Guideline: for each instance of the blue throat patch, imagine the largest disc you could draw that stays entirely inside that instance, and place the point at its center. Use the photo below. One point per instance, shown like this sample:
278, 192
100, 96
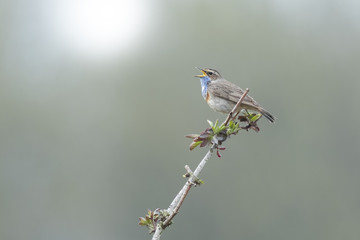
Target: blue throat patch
204, 85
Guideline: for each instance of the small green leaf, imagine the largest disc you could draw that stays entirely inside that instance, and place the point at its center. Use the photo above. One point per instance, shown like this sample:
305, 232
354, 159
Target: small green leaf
142, 221
254, 118
150, 213
210, 123
194, 145
216, 123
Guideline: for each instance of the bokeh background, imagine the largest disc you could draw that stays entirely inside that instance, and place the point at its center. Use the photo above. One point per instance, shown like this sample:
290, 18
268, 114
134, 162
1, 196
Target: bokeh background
96, 98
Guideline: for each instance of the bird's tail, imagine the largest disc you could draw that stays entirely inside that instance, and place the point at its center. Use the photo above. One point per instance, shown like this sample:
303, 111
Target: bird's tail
266, 114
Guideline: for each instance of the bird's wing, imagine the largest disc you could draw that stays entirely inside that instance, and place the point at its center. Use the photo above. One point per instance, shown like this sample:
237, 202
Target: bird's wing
224, 89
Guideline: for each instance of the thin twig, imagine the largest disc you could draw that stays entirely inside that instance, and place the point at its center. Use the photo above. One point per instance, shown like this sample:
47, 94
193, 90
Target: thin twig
176, 210
175, 205
236, 107
180, 197
188, 170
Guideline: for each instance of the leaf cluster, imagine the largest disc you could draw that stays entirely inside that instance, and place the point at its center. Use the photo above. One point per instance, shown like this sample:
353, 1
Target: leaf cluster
152, 218
217, 134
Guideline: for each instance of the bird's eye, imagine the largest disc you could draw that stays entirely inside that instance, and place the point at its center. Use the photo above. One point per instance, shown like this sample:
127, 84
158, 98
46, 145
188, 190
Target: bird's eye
210, 73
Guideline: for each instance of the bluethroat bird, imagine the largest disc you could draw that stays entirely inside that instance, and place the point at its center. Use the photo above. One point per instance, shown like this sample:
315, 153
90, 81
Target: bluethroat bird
222, 95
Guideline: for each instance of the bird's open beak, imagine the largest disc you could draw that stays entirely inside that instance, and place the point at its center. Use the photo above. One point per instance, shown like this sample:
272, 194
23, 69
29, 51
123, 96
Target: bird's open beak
203, 73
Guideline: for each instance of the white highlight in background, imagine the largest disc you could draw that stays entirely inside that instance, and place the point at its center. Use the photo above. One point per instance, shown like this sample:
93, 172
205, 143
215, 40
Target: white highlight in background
99, 29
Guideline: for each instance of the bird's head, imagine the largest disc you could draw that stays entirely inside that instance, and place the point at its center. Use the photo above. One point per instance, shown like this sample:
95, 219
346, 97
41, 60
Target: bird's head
211, 73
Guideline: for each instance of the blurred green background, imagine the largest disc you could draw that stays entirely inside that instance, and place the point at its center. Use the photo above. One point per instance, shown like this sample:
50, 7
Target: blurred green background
97, 96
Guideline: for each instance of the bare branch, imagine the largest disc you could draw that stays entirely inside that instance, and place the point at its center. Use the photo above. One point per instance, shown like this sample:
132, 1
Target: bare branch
180, 197
174, 207
176, 210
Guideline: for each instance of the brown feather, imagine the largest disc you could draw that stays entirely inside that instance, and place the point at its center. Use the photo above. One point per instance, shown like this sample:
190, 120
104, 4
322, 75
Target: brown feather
224, 89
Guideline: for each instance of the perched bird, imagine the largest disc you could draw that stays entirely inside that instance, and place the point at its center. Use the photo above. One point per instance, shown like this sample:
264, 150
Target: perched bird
222, 95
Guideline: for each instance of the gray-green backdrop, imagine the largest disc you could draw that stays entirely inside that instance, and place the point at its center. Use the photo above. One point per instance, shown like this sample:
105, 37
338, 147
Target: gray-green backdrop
97, 96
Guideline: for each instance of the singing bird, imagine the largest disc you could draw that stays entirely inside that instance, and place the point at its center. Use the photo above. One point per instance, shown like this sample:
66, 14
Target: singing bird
222, 95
